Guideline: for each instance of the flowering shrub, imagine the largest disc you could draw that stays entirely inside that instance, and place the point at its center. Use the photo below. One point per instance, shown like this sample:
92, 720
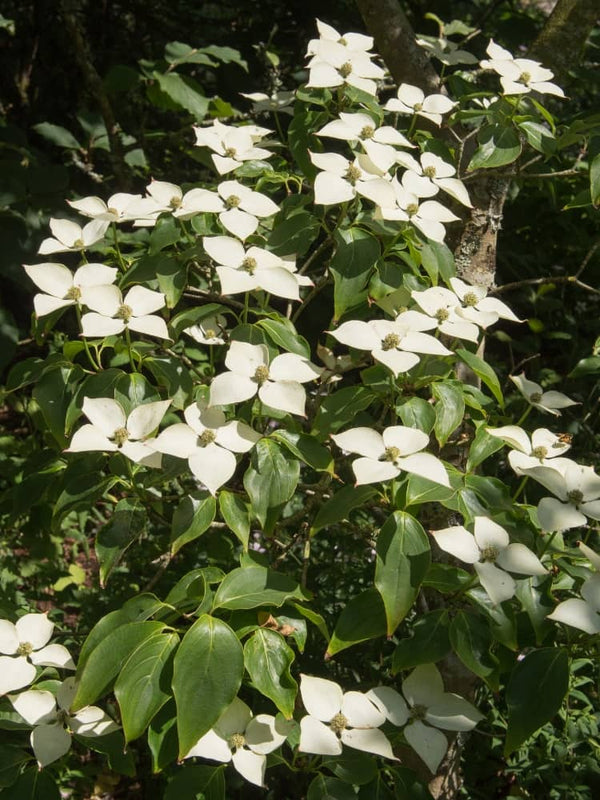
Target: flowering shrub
271, 357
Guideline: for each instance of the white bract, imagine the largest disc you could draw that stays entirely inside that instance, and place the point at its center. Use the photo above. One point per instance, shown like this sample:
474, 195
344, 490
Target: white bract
241, 270
112, 313
336, 718
262, 103
63, 288
427, 703
242, 739
385, 455
519, 75
231, 144
550, 401
492, 555
120, 207
353, 42
210, 330
379, 143
411, 100
164, 197
111, 430
433, 174
341, 180
336, 61
428, 216
533, 452
241, 208
583, 612
442, 305
24, 645
208, 442
54, 723
69, 236
392, 343
477, 307
277, 382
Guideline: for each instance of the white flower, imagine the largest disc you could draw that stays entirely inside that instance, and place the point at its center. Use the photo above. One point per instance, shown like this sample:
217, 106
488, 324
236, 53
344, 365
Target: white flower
538, 398
577, 489
385, 455
341, 180
232, 144
63, 288
336, 718
427, 702
210, 330
208, 442
24, 646
111, 430
433, 174
242, 208
335, 64
243, 739
412, 100
519, 75
442, 304
69, 236
378, 143
278, 382
54, 723
427, 216
112, 313
446, 51
487, 547
584, 612
393, 343
353, 42
241, 270
477, 307
275, 102
120, 207
533, 452
165, 197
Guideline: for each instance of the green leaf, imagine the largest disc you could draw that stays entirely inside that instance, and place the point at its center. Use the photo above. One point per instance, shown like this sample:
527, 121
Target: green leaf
586, 366
471, 640
363, 617
536, 689
356, 252
498, 145
429, 642
81, 490
403, 557
342, 407
340, 504
174, 377
162, 737
482, 446
324, 787
352, 766
236, 514
207, 675
184, 92
112, 745
595, 180
294, 234
306, 448
449, 409
282, 333
193, 516
268, 658
105, 661
417, 413
271, 478
421, 490
446, 579
437, 260
53, 392
11, 759
33, 784
118, 534
196, 782
539, 137
251, 587
143, 685
57, 135
483, 370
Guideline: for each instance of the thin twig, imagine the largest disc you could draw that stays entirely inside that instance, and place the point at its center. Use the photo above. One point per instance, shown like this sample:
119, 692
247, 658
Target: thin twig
572, 279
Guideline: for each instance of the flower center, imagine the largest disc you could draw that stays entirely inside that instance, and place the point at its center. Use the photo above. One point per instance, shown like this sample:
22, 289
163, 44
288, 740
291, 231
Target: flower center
345, 69
575, 496
206, 437
125, 313
390, 342
175, 202
209, 333
114, 211
489, 554
418, 712
367, 132
411, 209
249, 265
25, 649
232, 201
341, 40
429, 172
236, 741
120, 436
353, 174
391, 454
78, 243
262, 374
470, 299
338, 723
418, 107
230, 152
539, 452
442, 314
535, 397
524, 77
74, 293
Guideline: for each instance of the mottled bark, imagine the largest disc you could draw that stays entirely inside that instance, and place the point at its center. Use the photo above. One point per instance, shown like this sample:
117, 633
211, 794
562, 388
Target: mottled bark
562, 38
